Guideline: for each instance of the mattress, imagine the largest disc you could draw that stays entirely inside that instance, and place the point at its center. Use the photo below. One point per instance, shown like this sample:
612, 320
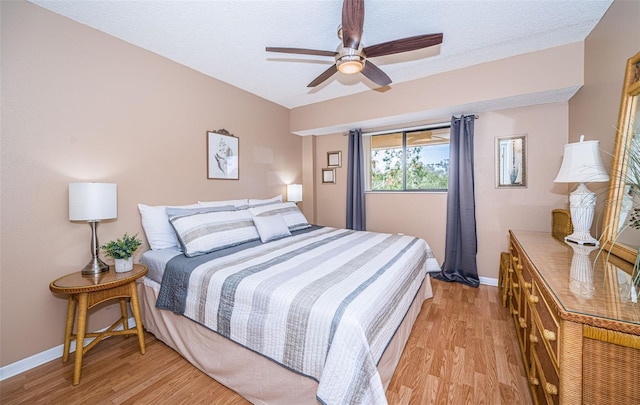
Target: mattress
156, 261
253, 376
324, 305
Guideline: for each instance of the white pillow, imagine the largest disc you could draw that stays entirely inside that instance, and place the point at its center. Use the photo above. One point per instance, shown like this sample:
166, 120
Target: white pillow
180, 212
273, 200
289, 211
206, 232
239, 204
155, 222
271, 228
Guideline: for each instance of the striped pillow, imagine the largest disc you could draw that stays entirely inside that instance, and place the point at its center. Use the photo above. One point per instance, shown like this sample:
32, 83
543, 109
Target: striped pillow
206, 232
289, 211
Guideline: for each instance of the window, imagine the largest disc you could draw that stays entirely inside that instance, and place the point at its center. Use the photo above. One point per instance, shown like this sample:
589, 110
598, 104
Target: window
409, 160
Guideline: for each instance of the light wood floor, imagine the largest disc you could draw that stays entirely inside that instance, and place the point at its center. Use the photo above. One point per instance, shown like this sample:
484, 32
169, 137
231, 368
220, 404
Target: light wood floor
462, 350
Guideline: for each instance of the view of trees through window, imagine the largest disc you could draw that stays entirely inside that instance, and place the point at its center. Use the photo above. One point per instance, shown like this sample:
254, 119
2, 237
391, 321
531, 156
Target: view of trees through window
410, 161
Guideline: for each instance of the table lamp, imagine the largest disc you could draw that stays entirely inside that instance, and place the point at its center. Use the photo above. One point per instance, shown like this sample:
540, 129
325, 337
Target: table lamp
581, 163
294, 192
93, 202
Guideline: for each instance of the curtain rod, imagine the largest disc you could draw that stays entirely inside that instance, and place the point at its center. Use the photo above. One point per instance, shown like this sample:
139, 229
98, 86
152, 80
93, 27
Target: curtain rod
391, 131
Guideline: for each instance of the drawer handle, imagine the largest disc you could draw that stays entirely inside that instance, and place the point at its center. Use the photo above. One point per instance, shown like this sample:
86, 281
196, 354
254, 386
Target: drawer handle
516, 259
514, 284
510, 270
533, 338
527, 285
514, 312
534, 381
534, 299
551, 389
549, 335
523, 323
519, 266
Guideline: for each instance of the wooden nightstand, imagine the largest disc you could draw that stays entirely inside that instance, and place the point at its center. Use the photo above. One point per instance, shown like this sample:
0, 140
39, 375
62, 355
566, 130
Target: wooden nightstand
88, 291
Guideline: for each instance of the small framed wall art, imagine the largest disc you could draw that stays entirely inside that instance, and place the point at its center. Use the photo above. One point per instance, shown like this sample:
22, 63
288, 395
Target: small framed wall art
328, 176
334, 159
223, 155
511, 161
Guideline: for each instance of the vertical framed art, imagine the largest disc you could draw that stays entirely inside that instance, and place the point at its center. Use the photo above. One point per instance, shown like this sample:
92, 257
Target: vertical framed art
511, 161
223, 155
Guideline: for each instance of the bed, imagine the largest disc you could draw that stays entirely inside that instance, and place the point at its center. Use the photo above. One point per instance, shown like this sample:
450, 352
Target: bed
320, 315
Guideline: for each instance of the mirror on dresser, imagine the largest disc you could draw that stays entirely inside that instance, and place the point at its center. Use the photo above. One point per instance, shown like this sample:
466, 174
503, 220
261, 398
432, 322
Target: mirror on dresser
621, 234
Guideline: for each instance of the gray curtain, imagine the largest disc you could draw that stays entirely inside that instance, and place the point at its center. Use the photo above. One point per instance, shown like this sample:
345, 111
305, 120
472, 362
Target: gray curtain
355, 183
461, 244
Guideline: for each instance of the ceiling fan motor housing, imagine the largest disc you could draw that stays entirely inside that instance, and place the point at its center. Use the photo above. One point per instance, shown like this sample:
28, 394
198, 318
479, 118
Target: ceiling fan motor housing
350, 61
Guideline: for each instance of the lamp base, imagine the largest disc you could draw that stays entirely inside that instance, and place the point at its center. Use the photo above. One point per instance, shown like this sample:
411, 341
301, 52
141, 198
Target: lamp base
95, 266
582, 239
582, 203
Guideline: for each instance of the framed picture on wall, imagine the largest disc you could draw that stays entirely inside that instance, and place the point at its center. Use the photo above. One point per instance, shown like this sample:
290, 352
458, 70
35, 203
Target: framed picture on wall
329, 176
334, 159
511, 161
223, 155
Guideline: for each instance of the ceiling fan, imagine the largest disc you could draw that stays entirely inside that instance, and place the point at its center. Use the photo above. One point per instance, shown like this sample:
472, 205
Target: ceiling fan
351, 57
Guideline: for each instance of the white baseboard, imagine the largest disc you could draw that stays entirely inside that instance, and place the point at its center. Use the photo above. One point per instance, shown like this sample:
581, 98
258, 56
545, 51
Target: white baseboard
30, 362
488, 281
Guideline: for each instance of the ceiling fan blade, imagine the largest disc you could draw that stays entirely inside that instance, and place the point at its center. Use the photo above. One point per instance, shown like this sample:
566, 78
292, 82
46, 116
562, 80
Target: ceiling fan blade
403, 45
324, 76
302, 51
373, 73
352, 23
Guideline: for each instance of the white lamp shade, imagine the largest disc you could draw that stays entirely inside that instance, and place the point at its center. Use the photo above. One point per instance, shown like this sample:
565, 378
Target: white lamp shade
92, 201
581, 163
294, 192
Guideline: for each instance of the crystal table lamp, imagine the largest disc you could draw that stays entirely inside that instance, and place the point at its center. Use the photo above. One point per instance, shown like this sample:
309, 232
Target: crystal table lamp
93, 202
581, 164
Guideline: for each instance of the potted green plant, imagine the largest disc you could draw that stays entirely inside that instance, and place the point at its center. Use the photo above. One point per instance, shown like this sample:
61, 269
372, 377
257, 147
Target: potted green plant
122, 251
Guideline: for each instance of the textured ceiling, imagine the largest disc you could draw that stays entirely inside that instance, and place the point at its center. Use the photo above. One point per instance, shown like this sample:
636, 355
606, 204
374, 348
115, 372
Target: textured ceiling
227, 39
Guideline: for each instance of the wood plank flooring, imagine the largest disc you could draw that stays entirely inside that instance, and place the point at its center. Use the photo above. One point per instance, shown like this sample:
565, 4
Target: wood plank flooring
463, 350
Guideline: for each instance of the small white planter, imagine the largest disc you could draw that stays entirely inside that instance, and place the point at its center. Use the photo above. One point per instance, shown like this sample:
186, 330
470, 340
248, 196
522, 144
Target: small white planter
124, 265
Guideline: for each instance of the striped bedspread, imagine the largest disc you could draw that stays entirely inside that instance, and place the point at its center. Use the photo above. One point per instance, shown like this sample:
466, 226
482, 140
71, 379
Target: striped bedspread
324, 304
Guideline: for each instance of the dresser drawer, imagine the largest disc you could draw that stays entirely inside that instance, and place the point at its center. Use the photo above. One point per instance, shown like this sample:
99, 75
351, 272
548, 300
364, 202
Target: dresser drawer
522, 321
517, 312
545, 370
547, 322
504, 281
542, 392
527, 282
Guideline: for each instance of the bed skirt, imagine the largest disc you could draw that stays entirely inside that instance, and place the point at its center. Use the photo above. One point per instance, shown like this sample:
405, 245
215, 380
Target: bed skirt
253, 376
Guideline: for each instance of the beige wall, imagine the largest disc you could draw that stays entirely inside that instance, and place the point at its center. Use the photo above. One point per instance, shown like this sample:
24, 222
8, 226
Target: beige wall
424, 214
593, 111
548, 127
543, 76
78, 105
498, 210
331, 199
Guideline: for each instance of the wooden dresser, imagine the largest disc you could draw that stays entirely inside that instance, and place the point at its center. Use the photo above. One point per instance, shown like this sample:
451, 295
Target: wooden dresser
578, 330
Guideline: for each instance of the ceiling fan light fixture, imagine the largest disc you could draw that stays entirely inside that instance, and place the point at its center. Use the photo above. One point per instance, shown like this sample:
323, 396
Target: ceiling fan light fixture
350, 64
